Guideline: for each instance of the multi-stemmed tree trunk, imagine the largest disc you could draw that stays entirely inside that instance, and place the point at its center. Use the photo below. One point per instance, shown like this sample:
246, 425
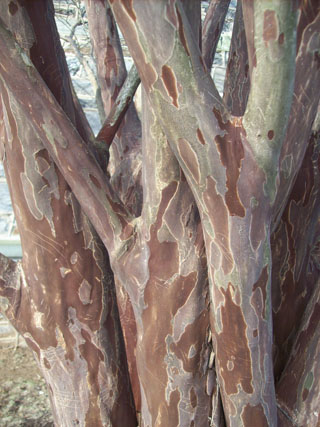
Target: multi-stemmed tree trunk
208, 212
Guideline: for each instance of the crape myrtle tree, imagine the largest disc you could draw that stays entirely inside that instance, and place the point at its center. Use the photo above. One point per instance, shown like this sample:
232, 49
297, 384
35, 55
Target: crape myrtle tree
170, 271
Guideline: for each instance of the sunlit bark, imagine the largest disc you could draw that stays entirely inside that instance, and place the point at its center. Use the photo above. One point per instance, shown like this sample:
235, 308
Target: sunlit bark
65, 304
230, 209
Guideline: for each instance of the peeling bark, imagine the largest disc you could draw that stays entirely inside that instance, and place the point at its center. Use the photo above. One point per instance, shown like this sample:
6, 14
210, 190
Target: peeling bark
237, 82
77, 340
295, 254
240, 276
230, 209
212, 29
125, 159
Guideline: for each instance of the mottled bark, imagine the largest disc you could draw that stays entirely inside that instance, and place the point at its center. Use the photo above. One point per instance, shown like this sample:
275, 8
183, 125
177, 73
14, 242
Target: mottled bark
218, 178
68, 150
237, 247
295, 258
237, 82
298, 391
106, 46
305, 103
66, 307
125, 159
172, 358
212, 29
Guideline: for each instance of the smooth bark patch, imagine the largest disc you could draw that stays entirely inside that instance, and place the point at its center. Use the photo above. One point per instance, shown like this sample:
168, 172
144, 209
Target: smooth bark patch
305, 181
231, 155
46, 363
129, 8
85, 290
193, 398
270, 26
281, 38
182, 348
112, 66
170, 83
175, 398
254, 416
200, 137
232, 346
270, 134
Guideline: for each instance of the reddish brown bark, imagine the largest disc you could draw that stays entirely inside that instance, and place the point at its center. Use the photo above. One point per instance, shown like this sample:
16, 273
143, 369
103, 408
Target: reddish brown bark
215, 187
222, 212
66, 307
125, 164
237, 81
212, 29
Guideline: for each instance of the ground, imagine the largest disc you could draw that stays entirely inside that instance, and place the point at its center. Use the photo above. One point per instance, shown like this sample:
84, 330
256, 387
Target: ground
23, 395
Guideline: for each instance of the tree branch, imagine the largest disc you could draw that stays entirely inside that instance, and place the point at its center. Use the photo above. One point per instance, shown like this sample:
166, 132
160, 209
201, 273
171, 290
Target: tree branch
120, 107
271, 37
49, 59
212, 29
161, 73
305, 105
125, 150
237, 82
69, 152
105, 40
210, 149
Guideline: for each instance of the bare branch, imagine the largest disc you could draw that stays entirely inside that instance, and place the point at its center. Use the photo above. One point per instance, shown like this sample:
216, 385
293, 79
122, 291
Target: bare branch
66, 147
49, 59
105, 40
197, 96
212, 29
91, 75
125, 150
237, 81
120, 107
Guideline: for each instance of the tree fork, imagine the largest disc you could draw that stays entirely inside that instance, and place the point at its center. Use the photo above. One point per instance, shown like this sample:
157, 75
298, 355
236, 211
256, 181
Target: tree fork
65, 337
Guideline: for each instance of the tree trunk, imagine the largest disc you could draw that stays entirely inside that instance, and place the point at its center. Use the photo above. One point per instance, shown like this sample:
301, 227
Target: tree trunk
65, 304
207, 206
